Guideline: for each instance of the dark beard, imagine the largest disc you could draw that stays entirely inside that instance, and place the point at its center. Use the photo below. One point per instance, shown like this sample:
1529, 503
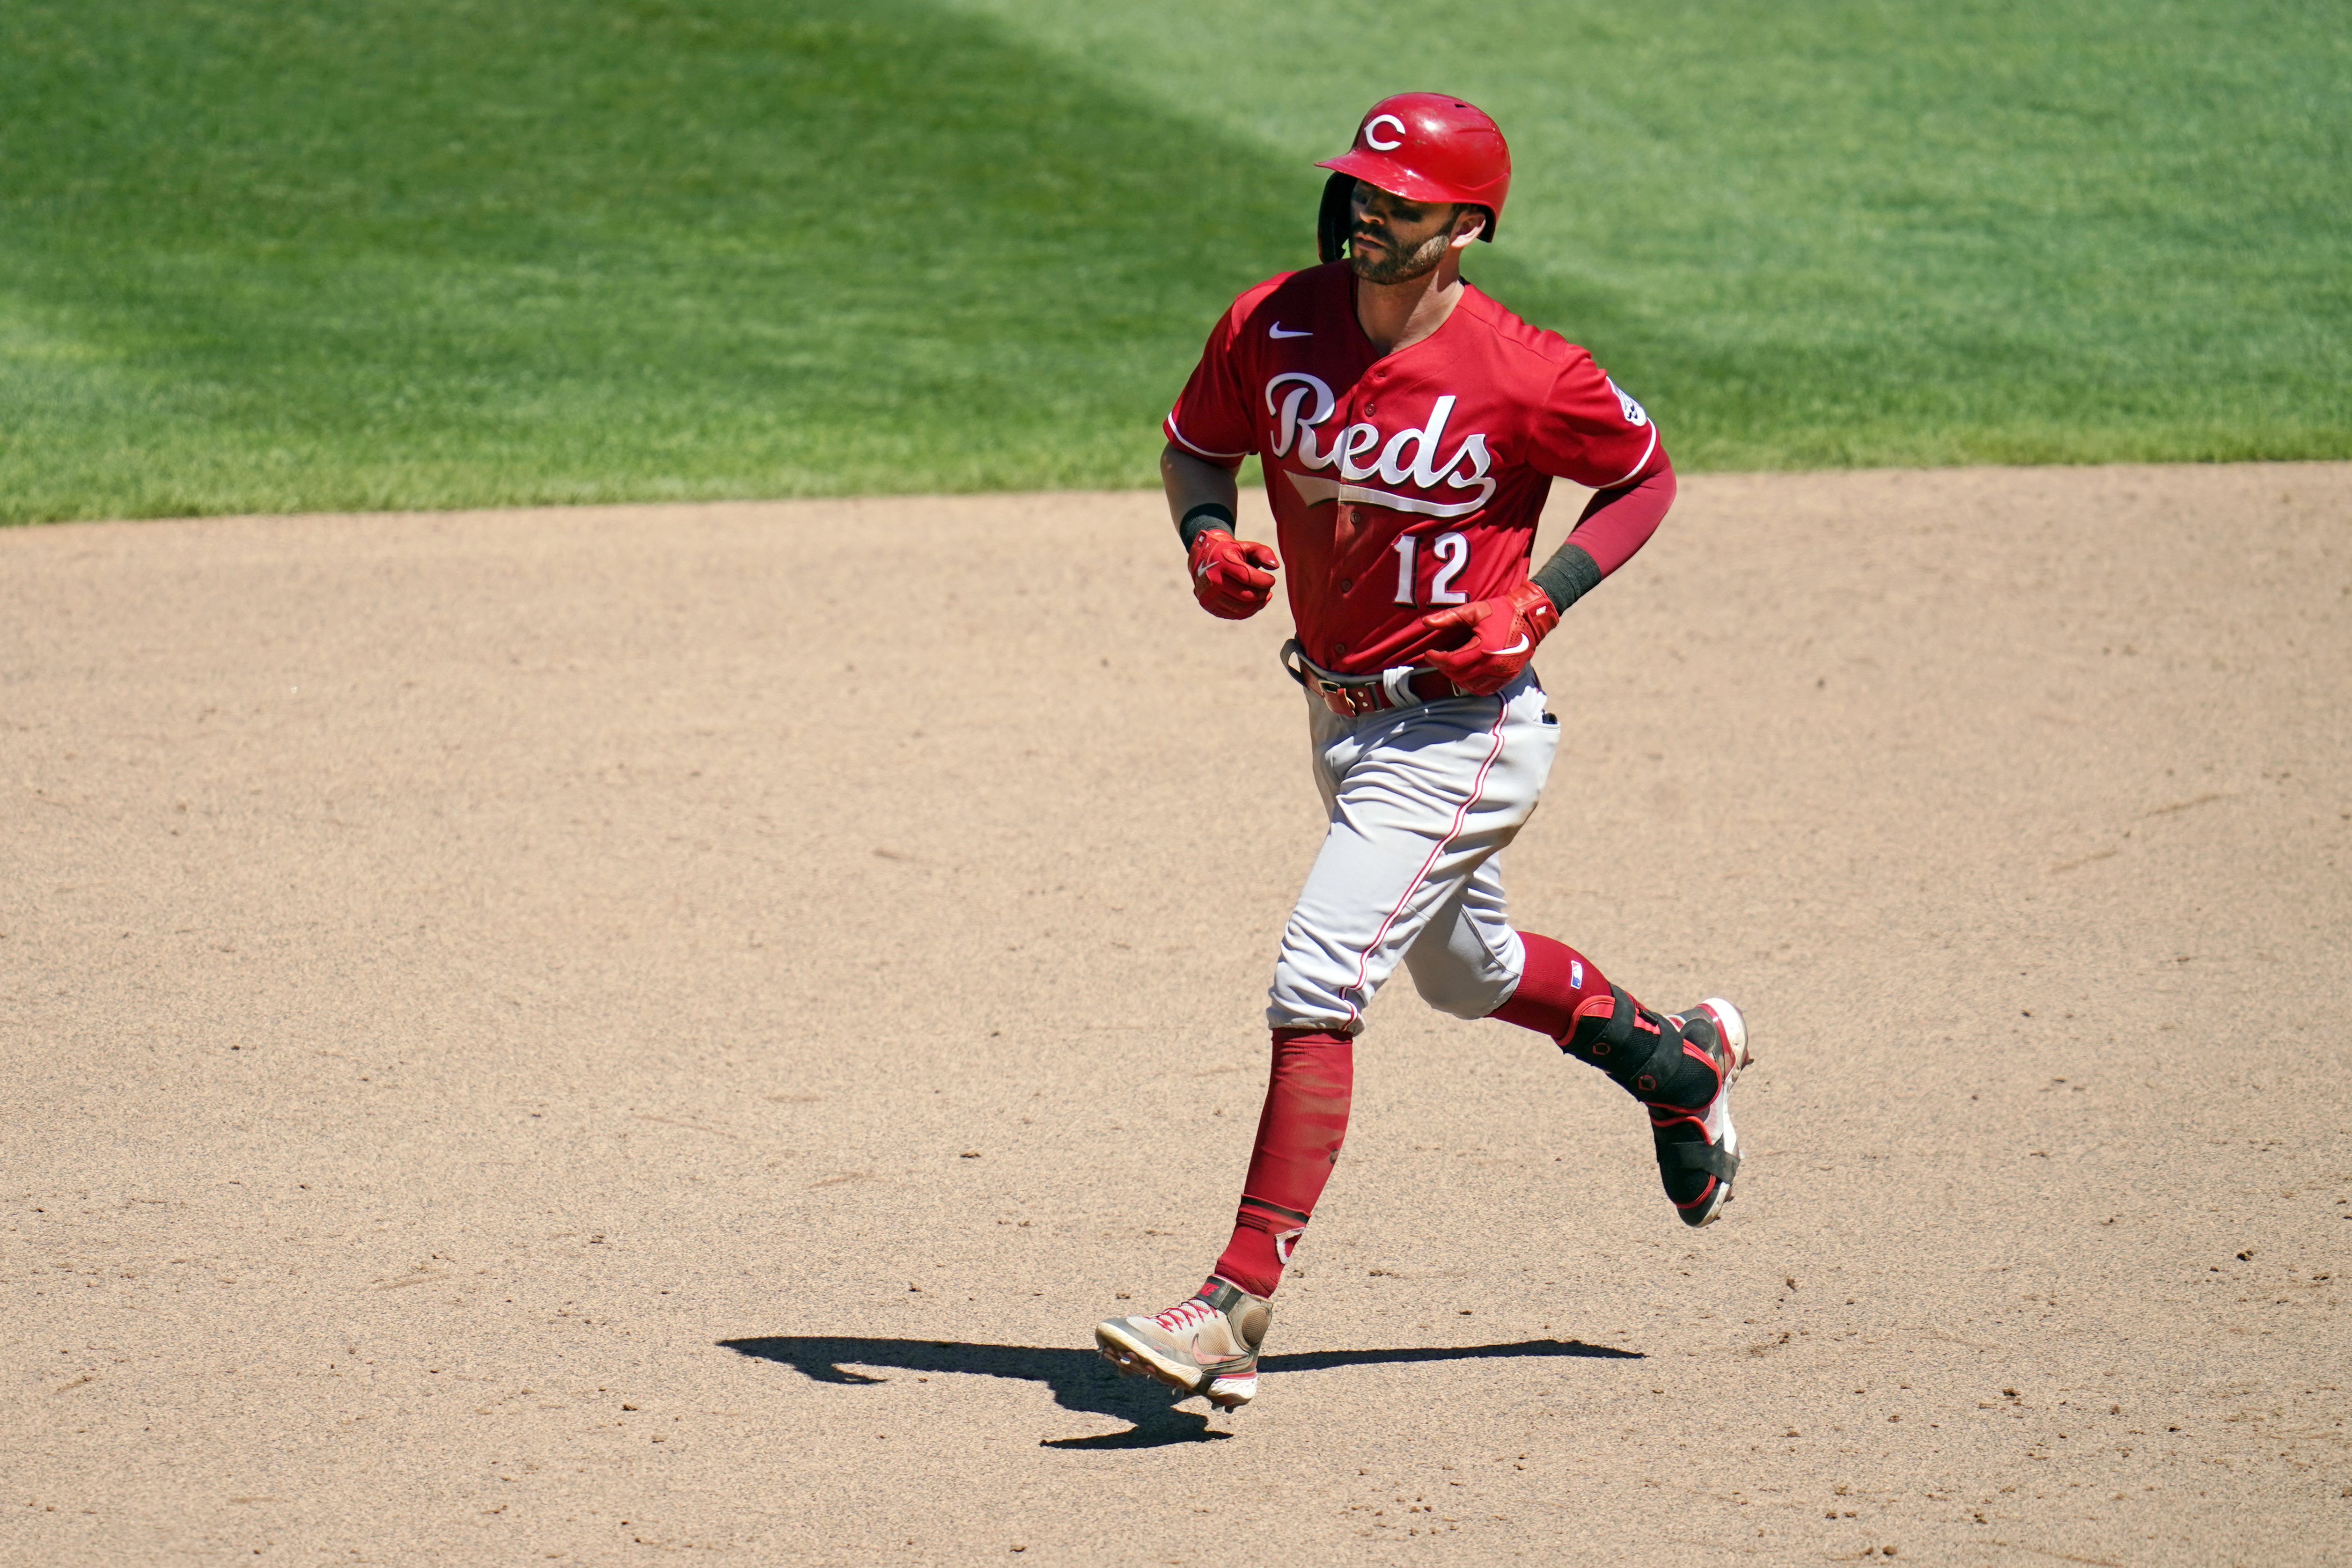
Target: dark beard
1380, 265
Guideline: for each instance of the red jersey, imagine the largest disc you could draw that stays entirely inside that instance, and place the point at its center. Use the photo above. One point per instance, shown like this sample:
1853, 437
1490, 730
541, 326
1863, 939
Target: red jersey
1406, 482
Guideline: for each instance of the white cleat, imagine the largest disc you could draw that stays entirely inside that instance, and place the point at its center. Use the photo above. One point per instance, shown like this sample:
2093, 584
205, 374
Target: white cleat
1207, 1345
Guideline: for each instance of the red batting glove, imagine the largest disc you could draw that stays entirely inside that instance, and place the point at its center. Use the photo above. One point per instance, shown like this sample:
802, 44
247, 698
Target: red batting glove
1503, 635
1232, 577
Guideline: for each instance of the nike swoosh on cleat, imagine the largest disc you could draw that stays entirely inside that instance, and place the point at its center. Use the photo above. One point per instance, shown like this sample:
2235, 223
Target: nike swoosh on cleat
1276, 331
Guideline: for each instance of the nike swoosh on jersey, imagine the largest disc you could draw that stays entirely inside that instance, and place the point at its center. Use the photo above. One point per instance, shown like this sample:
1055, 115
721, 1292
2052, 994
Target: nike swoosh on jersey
1275, 331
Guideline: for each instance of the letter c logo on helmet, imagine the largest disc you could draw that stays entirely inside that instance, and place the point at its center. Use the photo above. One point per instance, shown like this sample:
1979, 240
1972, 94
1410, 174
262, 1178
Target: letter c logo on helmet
1431, 147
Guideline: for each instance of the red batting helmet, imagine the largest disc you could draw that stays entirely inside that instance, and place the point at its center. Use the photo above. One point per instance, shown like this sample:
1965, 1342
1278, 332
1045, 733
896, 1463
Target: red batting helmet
1431, 147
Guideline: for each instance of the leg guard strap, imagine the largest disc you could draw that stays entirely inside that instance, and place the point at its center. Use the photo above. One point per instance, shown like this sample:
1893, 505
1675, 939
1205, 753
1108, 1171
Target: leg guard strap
1720, 1162
1623, 1044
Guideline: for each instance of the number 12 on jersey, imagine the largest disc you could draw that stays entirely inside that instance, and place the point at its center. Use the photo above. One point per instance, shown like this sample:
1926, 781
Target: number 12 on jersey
1452, 553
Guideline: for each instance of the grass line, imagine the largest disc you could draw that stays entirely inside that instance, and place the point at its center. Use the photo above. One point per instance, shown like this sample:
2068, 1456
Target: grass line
285, 254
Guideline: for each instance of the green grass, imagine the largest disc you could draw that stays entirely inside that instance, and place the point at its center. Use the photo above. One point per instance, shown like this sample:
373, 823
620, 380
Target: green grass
1868, 232
258, 255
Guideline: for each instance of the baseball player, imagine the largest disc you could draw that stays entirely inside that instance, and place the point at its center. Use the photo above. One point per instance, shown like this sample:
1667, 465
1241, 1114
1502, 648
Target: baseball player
1410, 429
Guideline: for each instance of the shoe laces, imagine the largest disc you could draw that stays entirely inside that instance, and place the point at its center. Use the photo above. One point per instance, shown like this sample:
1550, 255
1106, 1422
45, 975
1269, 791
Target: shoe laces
1193, 1314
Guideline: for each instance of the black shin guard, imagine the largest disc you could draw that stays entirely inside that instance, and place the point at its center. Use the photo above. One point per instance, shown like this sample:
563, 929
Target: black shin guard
1642, 1054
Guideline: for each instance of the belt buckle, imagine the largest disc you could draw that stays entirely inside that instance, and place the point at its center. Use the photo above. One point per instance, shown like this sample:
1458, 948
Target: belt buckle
1342, 698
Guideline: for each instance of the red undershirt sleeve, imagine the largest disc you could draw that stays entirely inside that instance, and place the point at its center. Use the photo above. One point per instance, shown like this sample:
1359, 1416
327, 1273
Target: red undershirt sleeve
1616, 523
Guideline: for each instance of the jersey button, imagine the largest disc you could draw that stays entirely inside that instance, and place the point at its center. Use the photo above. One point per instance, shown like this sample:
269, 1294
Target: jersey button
1338, 650
1347, 585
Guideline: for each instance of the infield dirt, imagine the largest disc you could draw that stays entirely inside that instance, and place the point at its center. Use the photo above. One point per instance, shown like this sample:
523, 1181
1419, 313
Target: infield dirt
598, 1034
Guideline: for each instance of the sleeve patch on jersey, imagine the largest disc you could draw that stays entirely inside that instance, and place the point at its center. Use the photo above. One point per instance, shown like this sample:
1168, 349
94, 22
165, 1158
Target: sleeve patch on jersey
1636, 414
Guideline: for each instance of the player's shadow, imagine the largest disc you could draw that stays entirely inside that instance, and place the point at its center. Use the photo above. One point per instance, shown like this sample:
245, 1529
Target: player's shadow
1082, 1380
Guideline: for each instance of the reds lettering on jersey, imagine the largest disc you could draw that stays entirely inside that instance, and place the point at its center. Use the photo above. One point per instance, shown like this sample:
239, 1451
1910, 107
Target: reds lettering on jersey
1405, 483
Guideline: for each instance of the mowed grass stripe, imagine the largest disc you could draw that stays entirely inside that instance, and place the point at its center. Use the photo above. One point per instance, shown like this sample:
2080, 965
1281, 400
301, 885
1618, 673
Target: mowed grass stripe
1859, 232
262, 255
280, 256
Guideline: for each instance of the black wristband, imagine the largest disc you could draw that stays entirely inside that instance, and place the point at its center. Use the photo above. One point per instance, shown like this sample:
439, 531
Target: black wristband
1567, 576
1202, 518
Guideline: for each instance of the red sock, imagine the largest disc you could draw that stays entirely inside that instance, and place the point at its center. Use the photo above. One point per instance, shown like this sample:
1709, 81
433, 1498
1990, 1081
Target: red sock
1298, 1137
1556, 980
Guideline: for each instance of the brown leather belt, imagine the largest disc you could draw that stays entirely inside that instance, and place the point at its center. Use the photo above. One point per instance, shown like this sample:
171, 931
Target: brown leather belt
1353, 696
